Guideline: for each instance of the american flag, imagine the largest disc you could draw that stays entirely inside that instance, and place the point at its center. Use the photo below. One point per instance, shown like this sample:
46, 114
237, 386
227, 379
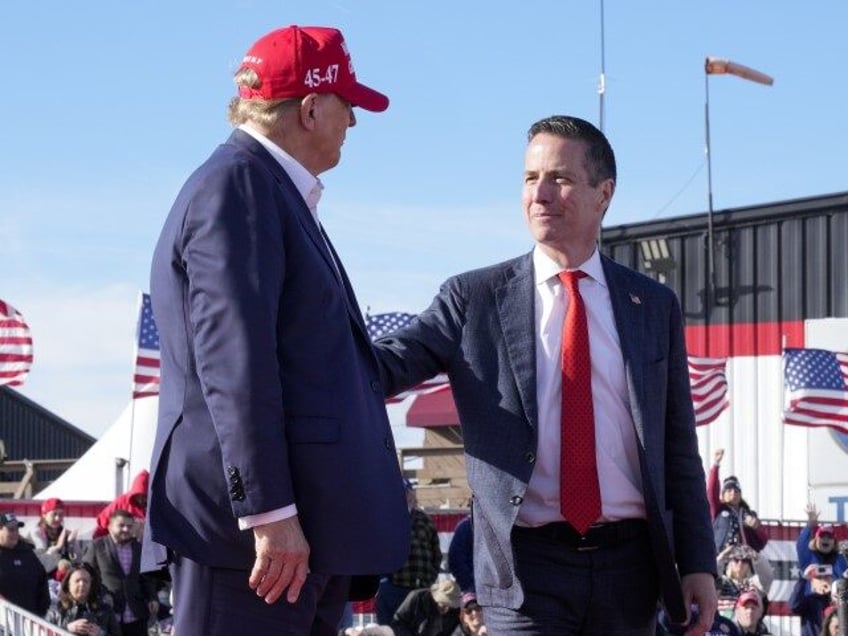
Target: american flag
708, 378
15, 346
816, 383
380, 325
146, 377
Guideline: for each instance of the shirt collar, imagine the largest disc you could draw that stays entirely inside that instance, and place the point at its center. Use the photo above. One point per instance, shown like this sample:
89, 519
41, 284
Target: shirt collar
308, 185
545, 268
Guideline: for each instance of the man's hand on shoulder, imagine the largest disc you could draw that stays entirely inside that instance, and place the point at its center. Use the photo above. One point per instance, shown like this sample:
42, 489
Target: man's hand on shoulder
699, 589
282, 560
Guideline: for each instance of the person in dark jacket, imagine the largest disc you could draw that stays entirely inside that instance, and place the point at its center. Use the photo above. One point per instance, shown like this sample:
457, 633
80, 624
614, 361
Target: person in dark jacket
461, 555
80, 608
23, 579
432, 611
811, 597
117, 558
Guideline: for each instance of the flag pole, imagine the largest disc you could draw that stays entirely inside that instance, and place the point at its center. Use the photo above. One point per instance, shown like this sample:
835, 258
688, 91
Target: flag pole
783, 427
716, 66
128, 465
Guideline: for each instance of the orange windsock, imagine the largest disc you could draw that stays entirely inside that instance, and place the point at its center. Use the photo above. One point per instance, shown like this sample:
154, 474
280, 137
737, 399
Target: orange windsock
716, 66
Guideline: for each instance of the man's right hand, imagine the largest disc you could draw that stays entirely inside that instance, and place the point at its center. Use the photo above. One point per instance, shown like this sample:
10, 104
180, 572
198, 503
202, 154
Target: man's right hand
282, 560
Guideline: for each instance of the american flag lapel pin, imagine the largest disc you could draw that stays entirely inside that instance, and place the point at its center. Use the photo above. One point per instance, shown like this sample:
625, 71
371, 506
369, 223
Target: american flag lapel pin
635, 299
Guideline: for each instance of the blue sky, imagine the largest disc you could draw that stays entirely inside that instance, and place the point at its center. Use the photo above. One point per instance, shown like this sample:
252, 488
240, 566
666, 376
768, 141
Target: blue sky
108, 106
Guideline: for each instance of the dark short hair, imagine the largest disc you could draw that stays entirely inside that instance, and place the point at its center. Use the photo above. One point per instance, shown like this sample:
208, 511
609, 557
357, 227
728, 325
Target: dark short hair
599, 159
120, 512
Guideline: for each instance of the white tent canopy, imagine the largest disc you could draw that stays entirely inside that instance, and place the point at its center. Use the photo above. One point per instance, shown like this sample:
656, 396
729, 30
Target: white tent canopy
106, 469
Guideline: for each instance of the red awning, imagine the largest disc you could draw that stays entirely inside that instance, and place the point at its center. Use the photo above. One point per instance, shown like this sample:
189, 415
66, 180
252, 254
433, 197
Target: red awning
433, 409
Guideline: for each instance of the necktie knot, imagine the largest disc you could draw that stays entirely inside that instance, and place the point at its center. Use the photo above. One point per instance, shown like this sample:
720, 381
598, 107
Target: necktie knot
571, 278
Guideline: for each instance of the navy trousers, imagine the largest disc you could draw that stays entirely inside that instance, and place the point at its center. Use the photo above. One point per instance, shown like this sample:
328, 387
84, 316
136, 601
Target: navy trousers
209, 601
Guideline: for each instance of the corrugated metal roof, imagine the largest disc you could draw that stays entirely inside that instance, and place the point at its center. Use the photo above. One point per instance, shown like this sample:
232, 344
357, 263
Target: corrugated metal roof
777, 262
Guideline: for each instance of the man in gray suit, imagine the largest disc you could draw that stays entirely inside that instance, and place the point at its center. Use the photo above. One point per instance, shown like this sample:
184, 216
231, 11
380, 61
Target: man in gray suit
645, 534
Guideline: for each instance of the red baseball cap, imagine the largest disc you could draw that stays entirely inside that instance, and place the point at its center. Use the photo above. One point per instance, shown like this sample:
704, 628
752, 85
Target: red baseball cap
825, 529
749, 596
296, 61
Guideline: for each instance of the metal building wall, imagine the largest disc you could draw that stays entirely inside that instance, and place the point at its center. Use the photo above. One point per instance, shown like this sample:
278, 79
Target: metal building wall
30, 431
780, 262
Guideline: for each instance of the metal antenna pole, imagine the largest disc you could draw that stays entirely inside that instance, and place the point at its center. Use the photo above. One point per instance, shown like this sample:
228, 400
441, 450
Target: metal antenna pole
710, 295
602, 80
602, 89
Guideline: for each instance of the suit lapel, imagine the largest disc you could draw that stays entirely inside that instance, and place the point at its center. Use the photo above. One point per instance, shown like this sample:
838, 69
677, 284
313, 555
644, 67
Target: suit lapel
350, 297
628, 309
631, 310
307, 221
516, 310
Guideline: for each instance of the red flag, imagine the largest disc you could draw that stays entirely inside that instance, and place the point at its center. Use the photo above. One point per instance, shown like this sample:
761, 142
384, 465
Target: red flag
15, 346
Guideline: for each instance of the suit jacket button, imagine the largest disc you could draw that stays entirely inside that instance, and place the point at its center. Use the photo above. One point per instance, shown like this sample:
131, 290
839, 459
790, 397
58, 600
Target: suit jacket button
375, 386
530, 456
388, 443
515, 500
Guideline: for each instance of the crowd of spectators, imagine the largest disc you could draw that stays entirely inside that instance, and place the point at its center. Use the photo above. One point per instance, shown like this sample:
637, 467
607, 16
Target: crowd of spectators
92, 587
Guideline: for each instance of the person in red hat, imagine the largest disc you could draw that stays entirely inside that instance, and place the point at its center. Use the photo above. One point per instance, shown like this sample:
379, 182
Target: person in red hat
52, 541
830, 624
816, 544
275, 491
749, 612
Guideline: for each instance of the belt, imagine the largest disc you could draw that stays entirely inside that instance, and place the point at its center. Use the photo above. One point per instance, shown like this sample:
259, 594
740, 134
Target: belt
599, 536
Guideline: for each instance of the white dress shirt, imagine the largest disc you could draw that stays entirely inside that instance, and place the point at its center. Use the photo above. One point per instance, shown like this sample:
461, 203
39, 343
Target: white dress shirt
615, 438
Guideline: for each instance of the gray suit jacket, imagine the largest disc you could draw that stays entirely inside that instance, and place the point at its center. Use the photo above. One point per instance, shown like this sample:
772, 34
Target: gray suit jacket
480, 329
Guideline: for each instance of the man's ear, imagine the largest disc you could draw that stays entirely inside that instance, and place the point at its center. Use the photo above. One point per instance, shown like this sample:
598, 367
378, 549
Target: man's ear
307, 111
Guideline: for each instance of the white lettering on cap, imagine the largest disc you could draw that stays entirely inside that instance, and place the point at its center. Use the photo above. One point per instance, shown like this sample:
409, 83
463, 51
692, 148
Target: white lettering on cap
316, 76
251, 59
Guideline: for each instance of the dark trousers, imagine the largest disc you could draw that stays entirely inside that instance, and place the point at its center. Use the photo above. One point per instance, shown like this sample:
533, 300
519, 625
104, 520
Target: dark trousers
570, 591
209, 601
136, 628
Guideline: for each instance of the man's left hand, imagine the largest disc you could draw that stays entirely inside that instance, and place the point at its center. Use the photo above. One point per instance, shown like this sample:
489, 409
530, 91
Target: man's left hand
699, 589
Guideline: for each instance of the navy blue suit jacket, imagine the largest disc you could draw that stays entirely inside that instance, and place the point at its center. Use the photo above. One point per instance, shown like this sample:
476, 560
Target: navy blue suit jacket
480, 329
270, 392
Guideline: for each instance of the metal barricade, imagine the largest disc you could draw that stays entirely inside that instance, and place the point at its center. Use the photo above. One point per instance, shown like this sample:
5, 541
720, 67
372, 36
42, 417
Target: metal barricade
15, 621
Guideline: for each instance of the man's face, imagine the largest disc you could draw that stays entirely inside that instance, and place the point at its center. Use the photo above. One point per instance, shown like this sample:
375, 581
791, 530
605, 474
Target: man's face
748, 614
561, 206
333, 116
121, 528
9, 535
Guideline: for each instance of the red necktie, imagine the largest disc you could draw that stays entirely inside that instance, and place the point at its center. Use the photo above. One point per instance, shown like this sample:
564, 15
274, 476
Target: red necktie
580, 494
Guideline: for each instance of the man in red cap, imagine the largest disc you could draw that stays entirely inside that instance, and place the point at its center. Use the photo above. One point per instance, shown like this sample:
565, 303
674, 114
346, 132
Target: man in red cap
275, 492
